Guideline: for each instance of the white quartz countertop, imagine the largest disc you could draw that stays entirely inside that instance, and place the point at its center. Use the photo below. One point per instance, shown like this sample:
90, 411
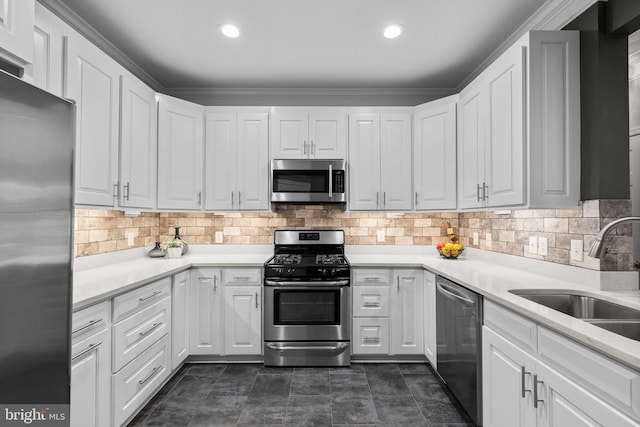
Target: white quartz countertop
486, 273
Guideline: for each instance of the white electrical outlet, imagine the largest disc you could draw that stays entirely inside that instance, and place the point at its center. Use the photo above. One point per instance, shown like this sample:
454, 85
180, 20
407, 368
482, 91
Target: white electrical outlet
130, 239
577, 248
487, 239
542, 246
218, 238
380, 235
533, 245
476, 239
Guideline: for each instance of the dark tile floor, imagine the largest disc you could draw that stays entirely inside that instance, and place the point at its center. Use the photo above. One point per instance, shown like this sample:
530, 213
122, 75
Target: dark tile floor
250, 394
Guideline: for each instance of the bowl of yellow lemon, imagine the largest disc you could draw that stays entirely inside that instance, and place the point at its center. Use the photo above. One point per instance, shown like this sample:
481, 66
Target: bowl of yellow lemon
450, 250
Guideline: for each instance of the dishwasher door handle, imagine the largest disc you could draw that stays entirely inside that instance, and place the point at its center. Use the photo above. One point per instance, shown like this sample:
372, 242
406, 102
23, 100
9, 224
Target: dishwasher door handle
452, 293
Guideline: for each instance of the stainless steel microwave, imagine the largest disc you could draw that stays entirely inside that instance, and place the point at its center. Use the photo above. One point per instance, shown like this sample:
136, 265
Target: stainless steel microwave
308, 181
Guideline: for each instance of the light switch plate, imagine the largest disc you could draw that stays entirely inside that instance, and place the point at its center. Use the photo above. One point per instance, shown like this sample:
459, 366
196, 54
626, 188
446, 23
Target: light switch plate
577, 250
476, 239
219, 236
488, 240
542, 246
533, 245
380, 235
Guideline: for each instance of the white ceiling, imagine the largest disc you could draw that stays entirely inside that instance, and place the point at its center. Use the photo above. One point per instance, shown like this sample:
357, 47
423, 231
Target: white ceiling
306, 43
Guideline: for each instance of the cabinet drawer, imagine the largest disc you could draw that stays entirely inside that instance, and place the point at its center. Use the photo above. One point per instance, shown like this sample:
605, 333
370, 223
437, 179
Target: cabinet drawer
126, 304
515, 328
242, 276
135, 334
610, 381
370, 301
367, 276
370, 335
138, 381
89, 321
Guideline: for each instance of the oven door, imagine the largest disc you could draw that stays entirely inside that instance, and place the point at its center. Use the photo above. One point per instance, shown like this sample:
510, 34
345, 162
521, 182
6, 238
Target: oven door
307, 312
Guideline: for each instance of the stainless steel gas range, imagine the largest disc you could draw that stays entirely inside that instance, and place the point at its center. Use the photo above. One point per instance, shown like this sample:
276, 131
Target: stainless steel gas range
307, 304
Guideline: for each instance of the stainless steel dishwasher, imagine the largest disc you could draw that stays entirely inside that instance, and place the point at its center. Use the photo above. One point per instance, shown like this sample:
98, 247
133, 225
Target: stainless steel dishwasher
459, 353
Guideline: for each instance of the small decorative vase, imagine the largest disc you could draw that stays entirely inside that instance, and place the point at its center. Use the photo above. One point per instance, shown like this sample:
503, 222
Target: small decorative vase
185, 247
156, 252
174, 253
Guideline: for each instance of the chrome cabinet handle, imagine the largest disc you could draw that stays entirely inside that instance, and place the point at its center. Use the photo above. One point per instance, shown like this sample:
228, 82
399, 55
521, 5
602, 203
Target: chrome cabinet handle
199, 197
241, 278
416, 198
304, 147
535, 391
126, 191
256, 300
485, 191
232, 199
384, 199
215, 283
88, 325
371, 279
313, 147
330, 180
398, 283
478, 192
523, 388
116, 189
239, 198
151, 375
87, 350
377, 198
370, 304
149, 297
371, 340
145, 333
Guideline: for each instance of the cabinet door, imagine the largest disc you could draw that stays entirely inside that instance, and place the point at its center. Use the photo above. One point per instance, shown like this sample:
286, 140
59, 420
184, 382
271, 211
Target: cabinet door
507, 375
289, 133
364, 162
406, 312
180, 154
221, 161
46, 70
138, 144
504, 143
243, 319
395, 156
471, 146
252, 170
430, 343
16, 30
180, 319
91, 381
93, 81
328, 133
564, 403
434, 159
205, 314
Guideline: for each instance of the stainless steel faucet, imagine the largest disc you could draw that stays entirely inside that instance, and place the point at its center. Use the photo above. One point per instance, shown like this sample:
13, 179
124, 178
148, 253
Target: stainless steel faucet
598, 249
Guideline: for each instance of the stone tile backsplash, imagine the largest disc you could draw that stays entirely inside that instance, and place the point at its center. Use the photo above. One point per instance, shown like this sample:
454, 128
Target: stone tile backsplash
101, 231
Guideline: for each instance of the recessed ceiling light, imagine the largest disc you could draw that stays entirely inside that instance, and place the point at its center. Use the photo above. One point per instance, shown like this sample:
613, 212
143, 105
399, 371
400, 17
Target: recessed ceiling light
392, 31
230, 30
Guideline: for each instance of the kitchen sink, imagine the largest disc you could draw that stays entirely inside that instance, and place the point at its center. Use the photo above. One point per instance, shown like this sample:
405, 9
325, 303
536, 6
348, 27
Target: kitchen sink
626, 328
613, 317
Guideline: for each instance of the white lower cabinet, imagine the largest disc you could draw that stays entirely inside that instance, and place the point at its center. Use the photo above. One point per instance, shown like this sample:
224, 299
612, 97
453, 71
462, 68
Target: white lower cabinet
141, 359
550, 380
430, 342
226, 311
91, 367
180, 319
387, 311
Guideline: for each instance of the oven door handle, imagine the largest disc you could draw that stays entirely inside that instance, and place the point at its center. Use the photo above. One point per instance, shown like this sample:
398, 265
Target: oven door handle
328, 348
309, 284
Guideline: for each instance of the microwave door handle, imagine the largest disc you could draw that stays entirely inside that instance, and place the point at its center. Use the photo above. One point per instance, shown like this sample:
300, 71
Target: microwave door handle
330, 181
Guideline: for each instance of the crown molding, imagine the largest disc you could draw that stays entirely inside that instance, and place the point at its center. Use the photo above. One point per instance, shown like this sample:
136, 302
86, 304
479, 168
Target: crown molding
81, 26
309, 96
553, 15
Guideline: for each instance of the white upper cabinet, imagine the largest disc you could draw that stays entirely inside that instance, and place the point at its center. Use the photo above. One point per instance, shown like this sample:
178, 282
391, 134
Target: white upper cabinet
48, 35
180, 154
138, 144
93, 82
518, 127
308, 133
434, 154
380, 159
16, 31
237, 162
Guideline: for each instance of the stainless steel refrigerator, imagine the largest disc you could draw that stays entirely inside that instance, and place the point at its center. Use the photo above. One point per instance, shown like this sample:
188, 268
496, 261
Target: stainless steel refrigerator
36, 234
